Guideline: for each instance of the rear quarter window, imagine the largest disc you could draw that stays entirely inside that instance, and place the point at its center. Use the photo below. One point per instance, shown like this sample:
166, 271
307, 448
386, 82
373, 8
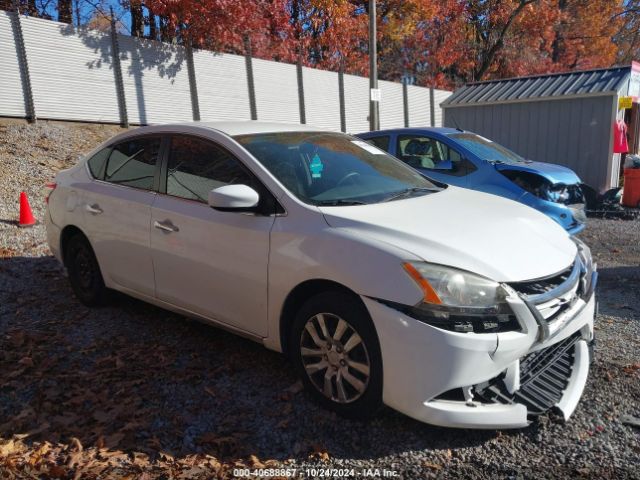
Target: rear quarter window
97, 162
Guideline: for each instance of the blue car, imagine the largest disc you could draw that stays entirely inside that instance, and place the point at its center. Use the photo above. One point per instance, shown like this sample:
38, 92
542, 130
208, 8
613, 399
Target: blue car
465, 159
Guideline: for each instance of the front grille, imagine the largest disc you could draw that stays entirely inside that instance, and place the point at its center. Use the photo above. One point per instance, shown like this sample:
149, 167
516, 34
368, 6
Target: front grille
544, 285
544, 376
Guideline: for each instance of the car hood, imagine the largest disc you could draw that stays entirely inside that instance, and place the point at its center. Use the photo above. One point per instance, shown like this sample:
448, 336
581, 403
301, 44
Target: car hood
474, 231
552, 172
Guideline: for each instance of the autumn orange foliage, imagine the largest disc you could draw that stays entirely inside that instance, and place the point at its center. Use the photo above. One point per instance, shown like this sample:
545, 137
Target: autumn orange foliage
431, 42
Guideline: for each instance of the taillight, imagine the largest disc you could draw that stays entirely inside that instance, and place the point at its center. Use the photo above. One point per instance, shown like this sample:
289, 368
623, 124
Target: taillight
49, 188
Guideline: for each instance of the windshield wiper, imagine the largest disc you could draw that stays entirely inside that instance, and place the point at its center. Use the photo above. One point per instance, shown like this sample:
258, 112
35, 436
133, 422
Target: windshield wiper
339, 203
408, 192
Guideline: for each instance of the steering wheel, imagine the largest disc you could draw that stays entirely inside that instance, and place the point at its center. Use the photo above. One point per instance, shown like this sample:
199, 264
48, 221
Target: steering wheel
350, 175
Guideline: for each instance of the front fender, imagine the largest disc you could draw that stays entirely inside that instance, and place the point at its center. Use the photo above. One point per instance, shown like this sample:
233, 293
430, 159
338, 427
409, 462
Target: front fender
371, 268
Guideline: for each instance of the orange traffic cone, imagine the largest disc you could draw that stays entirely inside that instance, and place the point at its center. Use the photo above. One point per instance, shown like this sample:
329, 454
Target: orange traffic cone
26, 217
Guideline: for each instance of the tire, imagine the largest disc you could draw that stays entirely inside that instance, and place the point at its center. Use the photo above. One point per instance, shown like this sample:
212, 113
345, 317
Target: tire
350, 392
84, 272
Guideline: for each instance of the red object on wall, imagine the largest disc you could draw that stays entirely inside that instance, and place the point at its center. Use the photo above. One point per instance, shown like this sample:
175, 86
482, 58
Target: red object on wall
631, 191
620, 144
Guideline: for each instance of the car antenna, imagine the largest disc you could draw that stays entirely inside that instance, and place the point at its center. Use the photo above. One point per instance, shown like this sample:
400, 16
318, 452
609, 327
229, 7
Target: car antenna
456, 124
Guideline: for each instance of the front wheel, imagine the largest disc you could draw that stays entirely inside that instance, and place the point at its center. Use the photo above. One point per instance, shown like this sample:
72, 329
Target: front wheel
336, 352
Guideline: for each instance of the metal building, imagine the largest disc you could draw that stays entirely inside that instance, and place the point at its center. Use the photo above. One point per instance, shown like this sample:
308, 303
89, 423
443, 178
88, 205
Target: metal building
565, 118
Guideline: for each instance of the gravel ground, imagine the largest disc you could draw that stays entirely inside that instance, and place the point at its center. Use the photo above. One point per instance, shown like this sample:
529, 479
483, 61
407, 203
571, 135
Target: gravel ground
132, 391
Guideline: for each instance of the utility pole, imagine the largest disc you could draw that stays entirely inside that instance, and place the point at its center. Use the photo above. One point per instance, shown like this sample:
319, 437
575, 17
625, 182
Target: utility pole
374, 93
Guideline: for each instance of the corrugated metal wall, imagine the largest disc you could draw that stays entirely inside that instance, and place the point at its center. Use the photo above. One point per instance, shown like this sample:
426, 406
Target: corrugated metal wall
419, 106
70, 72
322, 98
356, 99
439, 96
153, 71
391, 106
276, 91
575, 132
11, 95
72, 78
222, 86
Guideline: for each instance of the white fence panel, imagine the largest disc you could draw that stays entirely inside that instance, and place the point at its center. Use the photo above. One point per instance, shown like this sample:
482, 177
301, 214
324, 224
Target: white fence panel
70, 71
391, 106
419, 106
276, 91
156, 82
11, 96
321, 98
439, 97
222, 86
72, 78
356, 99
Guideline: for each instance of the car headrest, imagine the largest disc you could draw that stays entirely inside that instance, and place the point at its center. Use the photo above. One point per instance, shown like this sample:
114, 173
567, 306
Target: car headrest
416, 147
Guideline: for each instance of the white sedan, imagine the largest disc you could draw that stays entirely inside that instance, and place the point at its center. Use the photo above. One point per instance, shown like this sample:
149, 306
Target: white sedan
455, 307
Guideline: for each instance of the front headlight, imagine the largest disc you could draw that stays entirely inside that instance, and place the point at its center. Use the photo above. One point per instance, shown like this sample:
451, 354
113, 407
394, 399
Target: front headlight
460, 301
456, 288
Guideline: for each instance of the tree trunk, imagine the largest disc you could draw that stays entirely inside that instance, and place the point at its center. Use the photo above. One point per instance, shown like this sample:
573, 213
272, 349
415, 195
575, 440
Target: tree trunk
65, 11
490, 54
153, 30
137, 20
32, 9
165, 33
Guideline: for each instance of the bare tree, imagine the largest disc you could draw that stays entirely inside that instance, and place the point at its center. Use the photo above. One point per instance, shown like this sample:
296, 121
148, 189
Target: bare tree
65, 11
491, 37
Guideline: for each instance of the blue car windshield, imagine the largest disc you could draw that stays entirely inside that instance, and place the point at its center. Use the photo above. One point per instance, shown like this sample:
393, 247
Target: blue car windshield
486, 149
333, 169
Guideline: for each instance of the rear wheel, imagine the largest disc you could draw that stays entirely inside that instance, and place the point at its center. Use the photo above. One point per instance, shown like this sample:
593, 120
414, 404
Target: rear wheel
84, 272
336, 352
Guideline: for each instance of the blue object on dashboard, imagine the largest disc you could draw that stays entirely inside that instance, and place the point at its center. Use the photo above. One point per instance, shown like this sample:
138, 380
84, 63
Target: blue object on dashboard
468, 160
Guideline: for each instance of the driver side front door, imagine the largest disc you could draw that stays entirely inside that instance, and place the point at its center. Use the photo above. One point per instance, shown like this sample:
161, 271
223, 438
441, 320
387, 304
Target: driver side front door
425, 154
209, 262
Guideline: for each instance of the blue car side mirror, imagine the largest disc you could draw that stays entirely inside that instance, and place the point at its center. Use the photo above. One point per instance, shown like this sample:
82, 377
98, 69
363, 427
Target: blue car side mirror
444, 165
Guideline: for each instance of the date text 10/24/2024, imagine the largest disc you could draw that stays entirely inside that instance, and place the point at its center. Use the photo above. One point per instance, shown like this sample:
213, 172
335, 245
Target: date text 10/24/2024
314, 473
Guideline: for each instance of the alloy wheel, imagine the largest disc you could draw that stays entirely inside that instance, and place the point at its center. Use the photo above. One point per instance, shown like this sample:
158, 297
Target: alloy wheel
335, 358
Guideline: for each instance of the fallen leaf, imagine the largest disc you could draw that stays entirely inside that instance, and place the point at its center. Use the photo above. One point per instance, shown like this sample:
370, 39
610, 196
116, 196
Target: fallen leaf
255, 462
432, 466
56, 471
210, 391
7, 448
75, 443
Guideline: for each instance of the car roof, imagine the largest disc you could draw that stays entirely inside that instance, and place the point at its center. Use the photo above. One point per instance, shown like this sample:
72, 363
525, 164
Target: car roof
440, 130
232, 128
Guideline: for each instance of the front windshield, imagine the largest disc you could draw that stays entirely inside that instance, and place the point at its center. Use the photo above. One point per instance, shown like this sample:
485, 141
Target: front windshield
326, 168
486, 149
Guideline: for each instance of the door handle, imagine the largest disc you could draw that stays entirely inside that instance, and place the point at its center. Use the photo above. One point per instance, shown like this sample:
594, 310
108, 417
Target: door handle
95, 208
166, 226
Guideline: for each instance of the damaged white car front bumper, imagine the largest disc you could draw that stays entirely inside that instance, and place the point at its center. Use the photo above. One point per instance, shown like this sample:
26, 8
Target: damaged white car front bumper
493, 380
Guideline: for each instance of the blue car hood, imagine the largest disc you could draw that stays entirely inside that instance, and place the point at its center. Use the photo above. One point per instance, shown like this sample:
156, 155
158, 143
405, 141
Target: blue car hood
552, 172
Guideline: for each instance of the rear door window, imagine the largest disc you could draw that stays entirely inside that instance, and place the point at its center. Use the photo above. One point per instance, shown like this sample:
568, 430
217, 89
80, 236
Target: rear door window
133, 162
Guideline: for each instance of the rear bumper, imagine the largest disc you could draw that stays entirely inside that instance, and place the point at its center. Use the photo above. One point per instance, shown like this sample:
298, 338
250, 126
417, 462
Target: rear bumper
53, 237
421, 363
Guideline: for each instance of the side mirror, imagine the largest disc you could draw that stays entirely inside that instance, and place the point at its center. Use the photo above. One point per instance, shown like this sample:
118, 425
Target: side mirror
444, 165
233, 197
